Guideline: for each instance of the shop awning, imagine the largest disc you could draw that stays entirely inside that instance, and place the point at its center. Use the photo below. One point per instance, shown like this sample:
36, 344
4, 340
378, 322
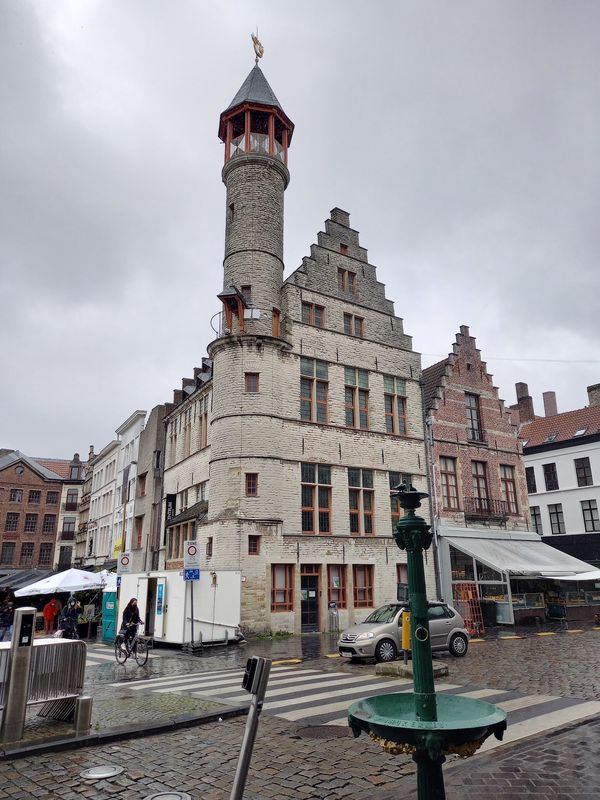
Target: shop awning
527, 556
594, 575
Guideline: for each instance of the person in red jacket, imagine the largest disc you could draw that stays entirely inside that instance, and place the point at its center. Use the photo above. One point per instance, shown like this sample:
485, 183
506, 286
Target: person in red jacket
50, 612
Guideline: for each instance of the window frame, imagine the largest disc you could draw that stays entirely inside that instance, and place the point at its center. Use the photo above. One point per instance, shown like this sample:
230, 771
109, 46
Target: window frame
287, 604
15, 496
479, 481
361, 502
251, 484
253, 544
34, 497
251, 382
395, 405
316, 403
30, 523
530, 479
336, 594
366, 587
591, 519
550, 476
474, 418
445, 476
583, 471
557, 519
313, 314
356, 398
536, 520
319, 490
508, 485
11, 522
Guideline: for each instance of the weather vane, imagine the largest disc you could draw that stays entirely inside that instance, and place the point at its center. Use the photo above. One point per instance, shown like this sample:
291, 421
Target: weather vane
259, 50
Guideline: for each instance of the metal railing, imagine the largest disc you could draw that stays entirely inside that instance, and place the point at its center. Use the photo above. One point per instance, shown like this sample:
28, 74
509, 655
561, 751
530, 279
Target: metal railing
57, 670
485, 507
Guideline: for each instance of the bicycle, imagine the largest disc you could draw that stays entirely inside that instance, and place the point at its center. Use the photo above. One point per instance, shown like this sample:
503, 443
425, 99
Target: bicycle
136, 647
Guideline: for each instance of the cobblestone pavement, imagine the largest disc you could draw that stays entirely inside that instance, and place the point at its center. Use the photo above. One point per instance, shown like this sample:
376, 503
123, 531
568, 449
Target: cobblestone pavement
289, 761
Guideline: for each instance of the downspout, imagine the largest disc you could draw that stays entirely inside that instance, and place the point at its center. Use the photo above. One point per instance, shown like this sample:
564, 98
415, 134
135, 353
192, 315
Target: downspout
433, 497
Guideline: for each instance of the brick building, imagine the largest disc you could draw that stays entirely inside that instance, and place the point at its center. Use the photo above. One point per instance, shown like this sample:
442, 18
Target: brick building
30, 508
479, 491
281, 450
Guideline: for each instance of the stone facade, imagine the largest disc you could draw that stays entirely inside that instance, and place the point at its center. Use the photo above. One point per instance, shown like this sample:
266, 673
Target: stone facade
282, 474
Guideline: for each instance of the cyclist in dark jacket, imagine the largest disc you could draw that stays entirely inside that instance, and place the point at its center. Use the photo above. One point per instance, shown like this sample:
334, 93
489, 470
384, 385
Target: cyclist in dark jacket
68, 620
131, 619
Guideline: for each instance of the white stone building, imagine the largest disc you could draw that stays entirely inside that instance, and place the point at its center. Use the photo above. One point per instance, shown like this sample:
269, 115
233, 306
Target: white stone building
128, 435
562, 464
102, 506
281, 451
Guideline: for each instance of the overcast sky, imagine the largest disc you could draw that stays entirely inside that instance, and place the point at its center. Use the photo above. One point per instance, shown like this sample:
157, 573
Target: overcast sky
462, 137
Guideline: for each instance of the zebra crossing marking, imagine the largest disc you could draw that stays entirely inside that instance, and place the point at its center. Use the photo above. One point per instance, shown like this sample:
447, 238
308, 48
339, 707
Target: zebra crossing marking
319, 697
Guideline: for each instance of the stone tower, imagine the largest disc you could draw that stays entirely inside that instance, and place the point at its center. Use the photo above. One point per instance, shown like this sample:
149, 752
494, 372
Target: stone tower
257, 134
251, 343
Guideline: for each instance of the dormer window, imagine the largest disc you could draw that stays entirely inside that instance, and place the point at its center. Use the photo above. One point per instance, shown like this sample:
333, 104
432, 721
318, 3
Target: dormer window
550, 438
580, 432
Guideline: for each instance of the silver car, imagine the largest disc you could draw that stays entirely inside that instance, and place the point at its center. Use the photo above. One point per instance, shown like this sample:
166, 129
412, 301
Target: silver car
380, 635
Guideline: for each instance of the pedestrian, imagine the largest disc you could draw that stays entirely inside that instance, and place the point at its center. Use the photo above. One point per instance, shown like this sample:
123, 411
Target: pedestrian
50, 611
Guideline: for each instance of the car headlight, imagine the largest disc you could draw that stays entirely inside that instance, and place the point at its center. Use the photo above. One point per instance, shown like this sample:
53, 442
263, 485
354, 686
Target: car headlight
365, 636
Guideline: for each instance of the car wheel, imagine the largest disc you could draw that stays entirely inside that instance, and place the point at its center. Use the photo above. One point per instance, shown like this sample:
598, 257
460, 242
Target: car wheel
459, 645
386, 651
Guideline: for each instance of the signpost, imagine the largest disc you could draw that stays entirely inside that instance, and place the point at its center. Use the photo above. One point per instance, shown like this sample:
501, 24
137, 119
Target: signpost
191, 573
124, 565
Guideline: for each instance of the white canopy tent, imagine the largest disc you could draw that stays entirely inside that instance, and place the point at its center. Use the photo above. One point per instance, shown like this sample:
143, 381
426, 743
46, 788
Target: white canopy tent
71, 580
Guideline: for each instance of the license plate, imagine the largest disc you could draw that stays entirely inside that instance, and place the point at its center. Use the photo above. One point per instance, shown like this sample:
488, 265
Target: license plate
346, 652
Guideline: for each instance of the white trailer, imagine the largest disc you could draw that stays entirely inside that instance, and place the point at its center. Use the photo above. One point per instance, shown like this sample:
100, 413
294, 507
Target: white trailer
165, 603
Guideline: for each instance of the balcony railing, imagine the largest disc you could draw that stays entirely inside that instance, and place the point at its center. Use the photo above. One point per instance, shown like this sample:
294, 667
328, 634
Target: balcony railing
71, 506
68, 536
485, 508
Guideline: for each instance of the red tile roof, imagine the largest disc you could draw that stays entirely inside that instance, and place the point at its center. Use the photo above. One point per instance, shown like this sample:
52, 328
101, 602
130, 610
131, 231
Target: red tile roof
563, 426
59, 465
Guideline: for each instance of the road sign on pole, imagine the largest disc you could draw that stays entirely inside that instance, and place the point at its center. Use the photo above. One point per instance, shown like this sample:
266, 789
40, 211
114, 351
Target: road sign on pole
191, 555
191, 574
124, 563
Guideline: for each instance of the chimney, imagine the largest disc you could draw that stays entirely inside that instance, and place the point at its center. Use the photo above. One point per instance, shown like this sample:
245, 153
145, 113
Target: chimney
594, 394
177, 396
524, 403
550, 409
91, 454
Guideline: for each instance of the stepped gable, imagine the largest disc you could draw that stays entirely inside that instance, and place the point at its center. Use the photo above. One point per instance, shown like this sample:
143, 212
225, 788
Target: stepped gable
338, 247
432, 378
562, 427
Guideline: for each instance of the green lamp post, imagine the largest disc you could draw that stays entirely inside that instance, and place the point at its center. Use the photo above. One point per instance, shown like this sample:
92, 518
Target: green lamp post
427, 726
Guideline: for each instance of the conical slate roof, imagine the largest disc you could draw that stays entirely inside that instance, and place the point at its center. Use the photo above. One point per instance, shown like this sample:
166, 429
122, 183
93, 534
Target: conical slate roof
255, 89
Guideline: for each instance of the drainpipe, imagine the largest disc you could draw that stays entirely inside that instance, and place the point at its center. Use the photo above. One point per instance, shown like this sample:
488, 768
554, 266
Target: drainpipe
433, 502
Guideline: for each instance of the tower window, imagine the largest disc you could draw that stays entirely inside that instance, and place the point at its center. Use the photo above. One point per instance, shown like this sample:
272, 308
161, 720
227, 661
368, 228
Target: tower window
252, 484
246, 292
231, 211
344, 249
251, 382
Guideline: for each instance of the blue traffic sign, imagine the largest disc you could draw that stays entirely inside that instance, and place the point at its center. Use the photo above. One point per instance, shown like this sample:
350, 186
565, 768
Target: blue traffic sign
191, 574
118, 581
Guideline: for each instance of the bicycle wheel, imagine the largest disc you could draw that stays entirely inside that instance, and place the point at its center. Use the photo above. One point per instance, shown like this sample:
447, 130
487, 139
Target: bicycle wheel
141, 652
121, 653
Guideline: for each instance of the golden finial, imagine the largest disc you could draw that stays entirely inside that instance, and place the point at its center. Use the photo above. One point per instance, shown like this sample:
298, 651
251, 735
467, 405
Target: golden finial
259, 50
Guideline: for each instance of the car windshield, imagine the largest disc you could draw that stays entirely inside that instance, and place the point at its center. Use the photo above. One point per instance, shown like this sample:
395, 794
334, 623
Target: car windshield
384, 614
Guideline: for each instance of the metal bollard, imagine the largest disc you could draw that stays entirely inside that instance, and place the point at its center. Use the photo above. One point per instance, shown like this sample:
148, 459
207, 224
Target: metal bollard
255, 681
13, 718
83, 714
